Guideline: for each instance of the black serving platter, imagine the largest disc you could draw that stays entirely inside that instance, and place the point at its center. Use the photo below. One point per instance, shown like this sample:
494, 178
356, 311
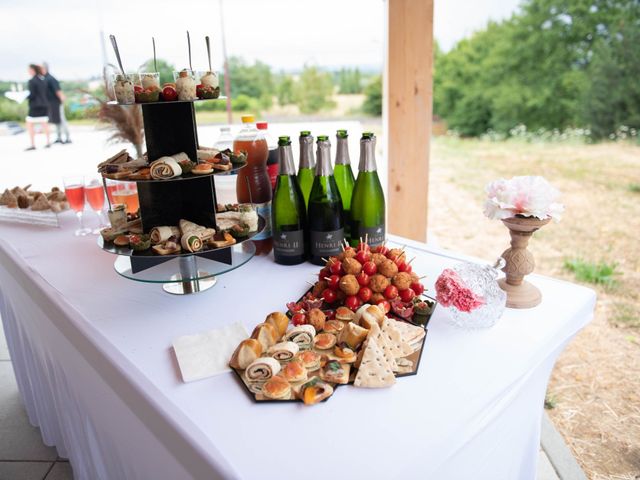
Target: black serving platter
416, 357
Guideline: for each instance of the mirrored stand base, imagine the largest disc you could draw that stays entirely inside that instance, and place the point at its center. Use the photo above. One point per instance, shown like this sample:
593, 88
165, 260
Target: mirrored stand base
178, 287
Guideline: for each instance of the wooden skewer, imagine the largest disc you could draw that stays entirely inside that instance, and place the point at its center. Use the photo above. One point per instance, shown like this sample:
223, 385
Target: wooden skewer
420, 278
311, 283
366, 238
409, 262
325, 260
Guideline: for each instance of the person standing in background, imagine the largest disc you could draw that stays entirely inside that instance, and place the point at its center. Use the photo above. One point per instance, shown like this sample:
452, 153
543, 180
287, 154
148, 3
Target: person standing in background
56, 106
38, 105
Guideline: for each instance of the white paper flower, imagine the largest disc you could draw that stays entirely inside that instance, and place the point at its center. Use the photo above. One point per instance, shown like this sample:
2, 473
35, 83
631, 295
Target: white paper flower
529, 196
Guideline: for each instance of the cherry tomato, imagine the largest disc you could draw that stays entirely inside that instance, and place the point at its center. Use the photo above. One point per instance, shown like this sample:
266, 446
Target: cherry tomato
324, 273
363, 256
331, 314
407, 295
363, 279
333, 281
299, 319
417, 287
329, 295
381, 249
401, 264
408, 268
336, 267
364, 294
169, 93
138, 89
363, 247
348, 249
352, 302
390, 292
385, 305
370, 268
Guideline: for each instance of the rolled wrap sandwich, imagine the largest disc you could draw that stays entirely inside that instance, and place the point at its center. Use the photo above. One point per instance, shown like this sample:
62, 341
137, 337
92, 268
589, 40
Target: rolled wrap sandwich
283, 351
262, 369
162, 234
302, 335
165, 167
191, 242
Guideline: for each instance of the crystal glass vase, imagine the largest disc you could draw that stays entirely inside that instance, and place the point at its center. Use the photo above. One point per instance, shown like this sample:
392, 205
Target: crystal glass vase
483, 300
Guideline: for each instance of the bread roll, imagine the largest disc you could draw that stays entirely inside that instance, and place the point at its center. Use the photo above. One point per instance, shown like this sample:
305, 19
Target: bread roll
372, 314
266, 334
247, 352
353, 335
278, 320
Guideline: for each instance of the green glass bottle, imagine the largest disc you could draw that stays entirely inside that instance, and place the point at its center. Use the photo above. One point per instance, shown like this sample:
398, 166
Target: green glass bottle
344, 175
325, 215
288, 212
307, 165
367, 202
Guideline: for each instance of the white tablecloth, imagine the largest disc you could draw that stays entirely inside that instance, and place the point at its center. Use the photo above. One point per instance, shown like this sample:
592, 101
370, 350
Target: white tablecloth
92, 356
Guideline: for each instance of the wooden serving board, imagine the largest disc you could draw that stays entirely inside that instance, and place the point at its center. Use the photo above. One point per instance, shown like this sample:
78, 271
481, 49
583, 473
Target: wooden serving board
415, 357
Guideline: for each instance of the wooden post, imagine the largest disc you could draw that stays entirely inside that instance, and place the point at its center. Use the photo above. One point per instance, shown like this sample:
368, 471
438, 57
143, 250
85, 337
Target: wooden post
408, 114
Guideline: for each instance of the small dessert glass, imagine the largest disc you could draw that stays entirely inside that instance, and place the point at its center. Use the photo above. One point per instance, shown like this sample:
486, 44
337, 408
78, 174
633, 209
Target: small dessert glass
482, 281
123, 90
185, 81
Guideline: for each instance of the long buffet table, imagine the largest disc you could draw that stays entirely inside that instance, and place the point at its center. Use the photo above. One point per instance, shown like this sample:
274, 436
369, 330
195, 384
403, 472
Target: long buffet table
93, 361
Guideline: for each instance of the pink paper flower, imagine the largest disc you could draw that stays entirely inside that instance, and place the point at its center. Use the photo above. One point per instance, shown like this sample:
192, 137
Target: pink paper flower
529, 196
452, 292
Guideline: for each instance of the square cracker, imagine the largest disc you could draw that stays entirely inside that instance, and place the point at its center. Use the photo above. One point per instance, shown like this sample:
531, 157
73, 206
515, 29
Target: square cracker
374, 371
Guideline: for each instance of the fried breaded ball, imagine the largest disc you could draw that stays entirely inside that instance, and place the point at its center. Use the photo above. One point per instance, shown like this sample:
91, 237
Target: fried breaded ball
376, 297
415, 278
378, 283
349, 253
316, 317
378, 258
349, 284
319, 287
402, 281
396, 253
351, 266
388, 268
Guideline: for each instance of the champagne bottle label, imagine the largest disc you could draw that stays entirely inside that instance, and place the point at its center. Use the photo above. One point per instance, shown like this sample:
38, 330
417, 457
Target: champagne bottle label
326, 244
374, 235
264, 210
289, 243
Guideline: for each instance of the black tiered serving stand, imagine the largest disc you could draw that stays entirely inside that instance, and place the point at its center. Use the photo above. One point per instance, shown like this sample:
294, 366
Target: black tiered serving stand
170, 128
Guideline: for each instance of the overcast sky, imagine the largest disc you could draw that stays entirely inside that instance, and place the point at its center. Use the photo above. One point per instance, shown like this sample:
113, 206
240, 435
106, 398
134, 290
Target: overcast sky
283, 33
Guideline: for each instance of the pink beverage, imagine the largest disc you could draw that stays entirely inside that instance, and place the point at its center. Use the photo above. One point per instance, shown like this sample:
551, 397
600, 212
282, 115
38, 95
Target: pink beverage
95, 196
75, 197
111, 188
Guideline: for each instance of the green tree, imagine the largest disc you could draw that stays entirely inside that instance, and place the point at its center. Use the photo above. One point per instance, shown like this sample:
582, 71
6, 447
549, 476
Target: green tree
372, 104
612, 99
285, 90
164, 68
349, 81
314, 90
254, 81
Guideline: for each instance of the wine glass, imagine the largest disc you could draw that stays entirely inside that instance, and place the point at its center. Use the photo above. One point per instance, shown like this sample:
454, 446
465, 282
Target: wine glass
95, 196
74, 190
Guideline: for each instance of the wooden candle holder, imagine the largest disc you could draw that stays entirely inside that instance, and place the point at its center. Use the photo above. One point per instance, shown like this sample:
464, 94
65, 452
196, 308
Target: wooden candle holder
520, 262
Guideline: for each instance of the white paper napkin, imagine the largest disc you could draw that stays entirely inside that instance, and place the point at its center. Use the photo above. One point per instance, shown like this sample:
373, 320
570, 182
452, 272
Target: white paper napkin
207, 354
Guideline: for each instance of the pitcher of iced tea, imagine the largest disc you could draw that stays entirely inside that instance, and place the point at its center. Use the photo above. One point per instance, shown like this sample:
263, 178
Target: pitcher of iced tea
253, 184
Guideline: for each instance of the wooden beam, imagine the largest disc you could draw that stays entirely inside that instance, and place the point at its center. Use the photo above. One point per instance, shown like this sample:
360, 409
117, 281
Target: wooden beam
408, 114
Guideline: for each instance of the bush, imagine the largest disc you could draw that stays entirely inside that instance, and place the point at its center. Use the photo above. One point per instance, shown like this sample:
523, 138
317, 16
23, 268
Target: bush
314, 90
11, 111
372, 104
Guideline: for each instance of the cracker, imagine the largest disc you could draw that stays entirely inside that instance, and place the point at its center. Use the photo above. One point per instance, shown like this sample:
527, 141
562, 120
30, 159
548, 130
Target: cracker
374, 371
384, 344
394, 338
410, 333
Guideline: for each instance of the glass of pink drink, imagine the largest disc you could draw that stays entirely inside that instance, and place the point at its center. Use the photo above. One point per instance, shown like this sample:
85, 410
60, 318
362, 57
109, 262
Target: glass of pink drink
74, 190
94, 193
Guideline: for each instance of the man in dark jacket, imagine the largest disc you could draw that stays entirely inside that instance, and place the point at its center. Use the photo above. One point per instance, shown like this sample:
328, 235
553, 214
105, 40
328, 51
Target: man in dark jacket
56, 106
38, 105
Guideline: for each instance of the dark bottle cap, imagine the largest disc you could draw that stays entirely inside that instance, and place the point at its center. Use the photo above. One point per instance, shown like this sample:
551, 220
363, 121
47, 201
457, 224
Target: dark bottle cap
305, 133
262, 125
342, 134
367, 135
323, 138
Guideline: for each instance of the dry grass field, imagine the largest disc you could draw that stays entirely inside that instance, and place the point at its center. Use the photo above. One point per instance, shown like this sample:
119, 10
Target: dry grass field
594, 393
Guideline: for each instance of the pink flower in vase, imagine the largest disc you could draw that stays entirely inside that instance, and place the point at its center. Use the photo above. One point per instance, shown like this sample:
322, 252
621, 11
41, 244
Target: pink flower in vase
452, 292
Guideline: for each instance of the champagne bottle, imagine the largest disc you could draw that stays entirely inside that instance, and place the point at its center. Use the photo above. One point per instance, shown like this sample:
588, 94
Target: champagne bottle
289, 214
307, 165
326, 221
344, 175
367, 202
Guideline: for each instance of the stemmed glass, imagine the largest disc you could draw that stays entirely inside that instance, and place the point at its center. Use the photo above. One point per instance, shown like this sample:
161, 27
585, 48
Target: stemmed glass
74, 190
95, 196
